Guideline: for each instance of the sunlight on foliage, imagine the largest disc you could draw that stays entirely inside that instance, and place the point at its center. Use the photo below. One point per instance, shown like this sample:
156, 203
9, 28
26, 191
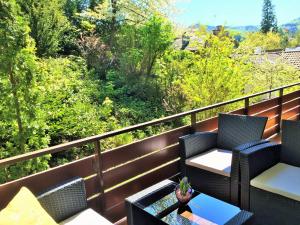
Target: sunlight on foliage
75, 68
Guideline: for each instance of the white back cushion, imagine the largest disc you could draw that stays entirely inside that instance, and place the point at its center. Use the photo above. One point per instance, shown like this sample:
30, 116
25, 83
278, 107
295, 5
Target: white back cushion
86, 217
282, 179
215, 160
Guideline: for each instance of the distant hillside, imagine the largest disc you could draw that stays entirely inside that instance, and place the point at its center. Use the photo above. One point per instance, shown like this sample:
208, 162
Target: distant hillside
292, 27
249, 28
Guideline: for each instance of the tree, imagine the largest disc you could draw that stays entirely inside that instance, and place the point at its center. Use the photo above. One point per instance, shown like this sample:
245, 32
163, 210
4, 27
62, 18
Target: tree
48, 24
269, 74
295, 40
217, 72
269, 21
268, 41
172, 69
97, 54
284, 36
156, 37
140, 46
72, 7
70, 99
110, 16
22, 126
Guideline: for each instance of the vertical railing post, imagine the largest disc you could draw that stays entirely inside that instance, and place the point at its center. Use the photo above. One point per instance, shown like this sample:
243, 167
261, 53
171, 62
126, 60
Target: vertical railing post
246, 111
193, 122
99, 169
280, 101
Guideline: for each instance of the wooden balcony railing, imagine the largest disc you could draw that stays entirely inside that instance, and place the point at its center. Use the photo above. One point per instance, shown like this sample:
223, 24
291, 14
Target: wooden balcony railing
112, 175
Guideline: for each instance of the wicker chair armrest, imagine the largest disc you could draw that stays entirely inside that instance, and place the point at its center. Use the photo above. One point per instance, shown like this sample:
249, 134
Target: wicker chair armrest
194, 144
250, 145
64, 200
254, 161
235, 165
259, 158
235, 168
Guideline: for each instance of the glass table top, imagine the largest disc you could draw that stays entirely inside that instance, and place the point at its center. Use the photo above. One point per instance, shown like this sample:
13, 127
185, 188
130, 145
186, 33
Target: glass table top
201, 210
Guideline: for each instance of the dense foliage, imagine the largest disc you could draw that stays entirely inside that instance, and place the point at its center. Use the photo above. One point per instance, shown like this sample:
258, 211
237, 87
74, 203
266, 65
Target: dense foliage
74, 68
212, 75
22, 124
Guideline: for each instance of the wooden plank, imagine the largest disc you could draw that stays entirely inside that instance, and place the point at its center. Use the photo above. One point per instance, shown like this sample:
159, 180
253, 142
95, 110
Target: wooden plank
291, 104
290, 113
92, 185
137, 149
261, 106
139, 166
270, 131
41, 181
238, 111
294, 117
212, 124
117, 195
207, 125
290, 96
270, 112
272, 121
116, 213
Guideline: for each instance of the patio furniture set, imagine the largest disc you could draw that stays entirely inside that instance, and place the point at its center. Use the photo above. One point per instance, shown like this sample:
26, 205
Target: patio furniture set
238, 178
259, 180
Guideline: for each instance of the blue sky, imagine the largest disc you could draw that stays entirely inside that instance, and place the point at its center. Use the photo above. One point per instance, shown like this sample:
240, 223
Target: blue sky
232, 12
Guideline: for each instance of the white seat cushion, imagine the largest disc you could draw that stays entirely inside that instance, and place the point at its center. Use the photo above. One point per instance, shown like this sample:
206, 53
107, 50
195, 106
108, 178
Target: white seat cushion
86, 217
215, 160
281, 179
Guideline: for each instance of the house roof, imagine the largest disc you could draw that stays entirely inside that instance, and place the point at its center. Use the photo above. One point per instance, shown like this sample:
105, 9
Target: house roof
293, 57
289, 55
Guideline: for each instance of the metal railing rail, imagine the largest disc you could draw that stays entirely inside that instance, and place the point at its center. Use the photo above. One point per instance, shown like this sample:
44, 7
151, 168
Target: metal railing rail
95, 139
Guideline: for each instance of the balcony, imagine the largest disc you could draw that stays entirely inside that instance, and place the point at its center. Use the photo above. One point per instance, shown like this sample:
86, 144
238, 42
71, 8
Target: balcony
112, 175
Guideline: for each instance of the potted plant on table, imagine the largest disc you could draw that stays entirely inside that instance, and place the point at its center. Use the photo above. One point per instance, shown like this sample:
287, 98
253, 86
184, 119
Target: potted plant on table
184, 191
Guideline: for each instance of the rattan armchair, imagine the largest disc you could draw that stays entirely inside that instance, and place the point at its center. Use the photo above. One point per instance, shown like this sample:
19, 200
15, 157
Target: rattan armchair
270, 179
66, 203
211, 160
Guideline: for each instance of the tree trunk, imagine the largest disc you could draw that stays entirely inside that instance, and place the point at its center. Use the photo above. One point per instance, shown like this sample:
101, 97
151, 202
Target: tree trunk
16, 103
114, 10
150, 65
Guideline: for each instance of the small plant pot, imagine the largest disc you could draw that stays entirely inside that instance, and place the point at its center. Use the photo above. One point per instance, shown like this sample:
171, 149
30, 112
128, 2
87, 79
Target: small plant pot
183, 199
